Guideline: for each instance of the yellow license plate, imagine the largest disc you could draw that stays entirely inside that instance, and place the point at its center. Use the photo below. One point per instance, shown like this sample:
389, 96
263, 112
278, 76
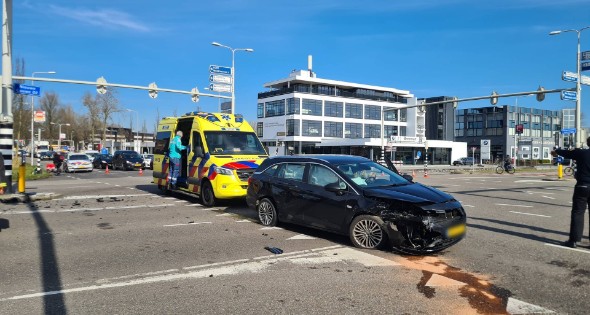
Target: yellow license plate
456, 230
137, 164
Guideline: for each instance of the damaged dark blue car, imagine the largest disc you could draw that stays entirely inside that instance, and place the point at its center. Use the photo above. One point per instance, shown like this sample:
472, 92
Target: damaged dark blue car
354, 196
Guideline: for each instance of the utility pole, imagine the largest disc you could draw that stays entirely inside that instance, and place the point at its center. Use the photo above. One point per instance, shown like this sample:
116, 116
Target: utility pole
6, 118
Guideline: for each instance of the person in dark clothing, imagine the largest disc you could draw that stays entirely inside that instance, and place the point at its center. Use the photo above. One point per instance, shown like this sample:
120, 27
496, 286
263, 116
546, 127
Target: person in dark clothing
581, 197
507, 163
57, 160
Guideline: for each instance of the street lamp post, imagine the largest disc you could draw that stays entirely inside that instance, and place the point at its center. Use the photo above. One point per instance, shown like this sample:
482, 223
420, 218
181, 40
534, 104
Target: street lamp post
137, 127
233, 71
578, 88
59, 135
33, 115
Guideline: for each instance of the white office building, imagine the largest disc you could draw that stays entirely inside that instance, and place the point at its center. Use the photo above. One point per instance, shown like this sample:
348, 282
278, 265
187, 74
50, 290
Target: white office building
304, 114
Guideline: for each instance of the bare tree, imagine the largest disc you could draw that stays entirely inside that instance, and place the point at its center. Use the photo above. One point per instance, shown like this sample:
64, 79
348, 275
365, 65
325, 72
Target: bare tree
50, 104
108, 104
91, 104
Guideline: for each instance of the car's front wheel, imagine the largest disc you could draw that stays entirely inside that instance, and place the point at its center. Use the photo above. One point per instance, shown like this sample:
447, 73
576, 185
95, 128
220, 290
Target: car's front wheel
366, 231
267, 213
207, 195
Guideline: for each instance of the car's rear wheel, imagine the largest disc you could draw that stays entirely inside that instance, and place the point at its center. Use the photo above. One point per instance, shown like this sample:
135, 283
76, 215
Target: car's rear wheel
207, 195
366, 231
267, 212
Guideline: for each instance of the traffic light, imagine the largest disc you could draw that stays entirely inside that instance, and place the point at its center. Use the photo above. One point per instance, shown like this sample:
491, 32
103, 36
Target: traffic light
540, 96
494, 98
519, 128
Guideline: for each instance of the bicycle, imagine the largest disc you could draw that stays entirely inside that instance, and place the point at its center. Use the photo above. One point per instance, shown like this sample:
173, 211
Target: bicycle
570, 170
510, 169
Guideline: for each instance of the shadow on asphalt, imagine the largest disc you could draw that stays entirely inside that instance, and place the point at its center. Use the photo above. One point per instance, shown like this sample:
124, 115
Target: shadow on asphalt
478, 193
53, 299
4, 224
518, 234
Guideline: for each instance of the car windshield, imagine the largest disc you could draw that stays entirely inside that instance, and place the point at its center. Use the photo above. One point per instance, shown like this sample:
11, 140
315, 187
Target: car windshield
234, 143
148, 156
131, 155
79, 157
371, 174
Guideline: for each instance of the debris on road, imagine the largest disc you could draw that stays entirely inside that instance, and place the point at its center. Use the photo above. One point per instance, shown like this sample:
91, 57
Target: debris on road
274, 250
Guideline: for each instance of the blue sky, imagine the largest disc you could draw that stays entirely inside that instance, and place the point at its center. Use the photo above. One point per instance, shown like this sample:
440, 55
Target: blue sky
462, 48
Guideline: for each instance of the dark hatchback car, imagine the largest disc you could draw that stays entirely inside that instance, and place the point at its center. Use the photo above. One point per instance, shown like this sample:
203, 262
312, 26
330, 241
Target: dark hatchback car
127, 160
355, 196
102, 160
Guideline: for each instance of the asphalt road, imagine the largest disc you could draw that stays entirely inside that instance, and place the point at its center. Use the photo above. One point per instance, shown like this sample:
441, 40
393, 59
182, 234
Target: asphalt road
113, 244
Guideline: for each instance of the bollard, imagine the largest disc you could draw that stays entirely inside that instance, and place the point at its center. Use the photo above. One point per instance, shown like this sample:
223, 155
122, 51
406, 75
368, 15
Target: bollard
38, 170
21, 177
559, 171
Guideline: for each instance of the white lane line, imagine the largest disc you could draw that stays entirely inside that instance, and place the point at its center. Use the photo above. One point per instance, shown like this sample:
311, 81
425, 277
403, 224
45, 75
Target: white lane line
547, 197
103, 196
530, 181
130, 188
194, 205
169, 198
536, 215
181, 201
537, 192
470, 206
508, 205
243, 221
117, 185
271, 228
87, 209
569, 248
223, 215
183, 224
337, 255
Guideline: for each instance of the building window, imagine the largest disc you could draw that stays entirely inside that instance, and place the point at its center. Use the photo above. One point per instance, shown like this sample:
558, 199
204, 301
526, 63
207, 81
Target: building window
354, 110
333, 129
372, 131
275, 108
292, 127
372, 112
390, 131
311, 107
259, 129
260, 110
293, 106
353, 131
311, 128
390, 115
333, 109
403, 115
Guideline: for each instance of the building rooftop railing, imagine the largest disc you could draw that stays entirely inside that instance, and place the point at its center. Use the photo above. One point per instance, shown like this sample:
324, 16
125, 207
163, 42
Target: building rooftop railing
346, 94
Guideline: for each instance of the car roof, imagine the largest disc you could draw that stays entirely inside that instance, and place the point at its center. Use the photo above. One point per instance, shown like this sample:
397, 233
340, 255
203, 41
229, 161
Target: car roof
330, 158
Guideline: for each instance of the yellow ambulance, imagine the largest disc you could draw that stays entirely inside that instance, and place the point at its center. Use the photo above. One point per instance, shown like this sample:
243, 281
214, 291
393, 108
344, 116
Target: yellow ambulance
222, 152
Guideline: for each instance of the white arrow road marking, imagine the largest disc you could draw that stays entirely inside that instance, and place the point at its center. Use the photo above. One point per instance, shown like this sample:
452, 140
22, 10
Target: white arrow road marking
536, 215
339, 254
437, 280
515, 307
301, 237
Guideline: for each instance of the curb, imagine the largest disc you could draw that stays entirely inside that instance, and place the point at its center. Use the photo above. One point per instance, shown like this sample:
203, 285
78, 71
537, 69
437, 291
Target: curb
30, 197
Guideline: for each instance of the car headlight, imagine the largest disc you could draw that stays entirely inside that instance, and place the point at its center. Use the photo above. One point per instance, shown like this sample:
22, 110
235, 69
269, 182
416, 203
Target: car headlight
224, 171
128, 162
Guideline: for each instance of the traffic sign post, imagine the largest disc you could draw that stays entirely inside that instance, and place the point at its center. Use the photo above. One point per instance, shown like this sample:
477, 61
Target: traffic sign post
220, 88
213, 69
568, 131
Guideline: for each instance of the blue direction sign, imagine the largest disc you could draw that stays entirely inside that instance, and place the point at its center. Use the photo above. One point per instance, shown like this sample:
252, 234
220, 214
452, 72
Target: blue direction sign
569, 95
585, 66
568, 131
213, 69
585, 55
26, 89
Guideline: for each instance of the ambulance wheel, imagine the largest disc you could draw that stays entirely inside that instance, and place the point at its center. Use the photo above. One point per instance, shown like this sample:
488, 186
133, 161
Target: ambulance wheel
207, 195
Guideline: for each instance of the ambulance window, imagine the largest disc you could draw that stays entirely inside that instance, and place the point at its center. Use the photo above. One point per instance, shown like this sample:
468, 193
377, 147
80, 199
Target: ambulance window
197, 141
162, 142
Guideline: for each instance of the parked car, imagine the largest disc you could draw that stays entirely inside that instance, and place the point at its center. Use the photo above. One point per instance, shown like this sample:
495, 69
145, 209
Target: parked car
47, 155
77, 162
355, 196
147, 161
464, 161
91, 153
102, 160
127, 160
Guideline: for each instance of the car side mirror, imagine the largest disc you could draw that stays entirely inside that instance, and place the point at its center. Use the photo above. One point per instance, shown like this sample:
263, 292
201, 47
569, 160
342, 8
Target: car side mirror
408, 177
338, 188
199, 152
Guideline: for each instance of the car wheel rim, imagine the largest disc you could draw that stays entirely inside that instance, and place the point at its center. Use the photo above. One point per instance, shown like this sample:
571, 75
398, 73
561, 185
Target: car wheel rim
265, 213
367, 233
207, 195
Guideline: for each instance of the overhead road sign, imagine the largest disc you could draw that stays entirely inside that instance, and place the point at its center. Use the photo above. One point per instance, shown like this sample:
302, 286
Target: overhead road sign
220, 79
220, 88
26, 89
213, 69
568, 131
585, 66
569, 95
585, 55
573, 77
